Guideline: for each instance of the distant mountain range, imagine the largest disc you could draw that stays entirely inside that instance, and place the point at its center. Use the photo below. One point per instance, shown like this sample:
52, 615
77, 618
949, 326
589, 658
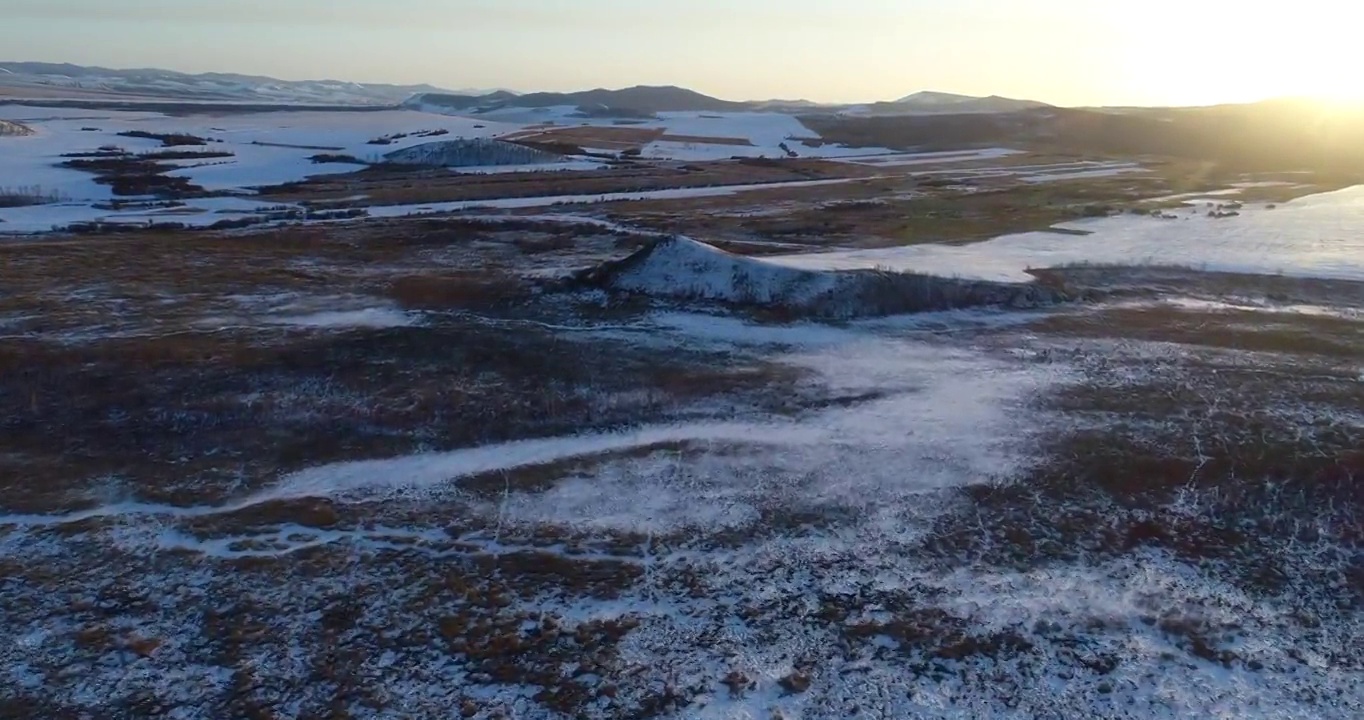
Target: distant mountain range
34, 80
647, 100
950, 104
641, 100
54, 80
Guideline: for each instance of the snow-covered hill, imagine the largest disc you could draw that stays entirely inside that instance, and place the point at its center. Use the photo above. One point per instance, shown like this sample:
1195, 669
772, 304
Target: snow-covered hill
49, 80
683, 269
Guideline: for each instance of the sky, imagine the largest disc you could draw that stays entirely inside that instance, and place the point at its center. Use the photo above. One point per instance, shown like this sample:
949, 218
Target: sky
1066, 52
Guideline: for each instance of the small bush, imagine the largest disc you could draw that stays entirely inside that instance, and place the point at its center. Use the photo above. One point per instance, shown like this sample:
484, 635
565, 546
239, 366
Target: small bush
186, 154
131, 175
236, 224
461, 292
535, 246
167, 139
338, 214
324, 158
25, 195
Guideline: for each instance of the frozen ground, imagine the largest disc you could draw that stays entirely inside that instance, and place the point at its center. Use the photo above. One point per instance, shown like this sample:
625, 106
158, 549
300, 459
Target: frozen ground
1317, 236
837, 556
379, 470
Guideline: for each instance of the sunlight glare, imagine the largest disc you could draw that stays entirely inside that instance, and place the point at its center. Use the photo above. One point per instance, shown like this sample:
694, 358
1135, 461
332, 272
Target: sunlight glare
1203, 54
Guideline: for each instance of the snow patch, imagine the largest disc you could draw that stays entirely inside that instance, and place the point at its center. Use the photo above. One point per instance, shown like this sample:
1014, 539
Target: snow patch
1317, 236
365, 318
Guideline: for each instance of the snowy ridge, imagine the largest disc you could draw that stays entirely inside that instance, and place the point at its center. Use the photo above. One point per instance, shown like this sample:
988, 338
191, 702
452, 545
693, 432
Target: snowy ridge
682, 267
686, 269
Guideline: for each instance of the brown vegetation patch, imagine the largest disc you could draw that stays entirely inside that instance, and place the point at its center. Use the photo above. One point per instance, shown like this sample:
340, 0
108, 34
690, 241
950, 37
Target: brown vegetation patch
1231, 329
880, 212
166, 139
393, 186
459, 291
605, 138
1276, 135
146, 364
134, 175
706, 140
1237, 458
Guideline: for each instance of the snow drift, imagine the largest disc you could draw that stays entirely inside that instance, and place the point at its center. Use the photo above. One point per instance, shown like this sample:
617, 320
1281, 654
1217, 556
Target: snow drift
681, 268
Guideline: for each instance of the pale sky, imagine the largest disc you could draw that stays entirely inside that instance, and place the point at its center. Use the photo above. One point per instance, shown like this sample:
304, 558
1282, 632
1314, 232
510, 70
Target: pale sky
1067, 52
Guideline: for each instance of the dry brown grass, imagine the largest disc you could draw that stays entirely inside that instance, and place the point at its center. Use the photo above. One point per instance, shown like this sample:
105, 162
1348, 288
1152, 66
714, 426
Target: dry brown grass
459, 291
1237, 456
616, 138
880, 212
605, 138
707, 140
145, 357
390, 187
1242, 329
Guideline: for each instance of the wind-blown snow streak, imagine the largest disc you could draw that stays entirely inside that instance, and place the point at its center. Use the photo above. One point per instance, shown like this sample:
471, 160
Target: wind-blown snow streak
418, 472
545, 201
953, 416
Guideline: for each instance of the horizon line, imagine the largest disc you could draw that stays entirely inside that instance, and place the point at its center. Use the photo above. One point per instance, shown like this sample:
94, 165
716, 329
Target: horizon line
487, 91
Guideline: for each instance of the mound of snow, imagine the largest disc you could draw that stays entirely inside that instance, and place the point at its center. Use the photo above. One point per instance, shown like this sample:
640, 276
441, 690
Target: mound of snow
685, 268
681, 268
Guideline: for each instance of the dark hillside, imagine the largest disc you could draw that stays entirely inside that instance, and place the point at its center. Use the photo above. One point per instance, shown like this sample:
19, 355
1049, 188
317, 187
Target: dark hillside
1274, 135
636, 100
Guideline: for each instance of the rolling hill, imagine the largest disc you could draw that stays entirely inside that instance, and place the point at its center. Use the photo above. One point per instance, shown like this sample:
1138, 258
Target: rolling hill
21, 79
632, 101
1276, 135
647, 100
940, 103
40, 80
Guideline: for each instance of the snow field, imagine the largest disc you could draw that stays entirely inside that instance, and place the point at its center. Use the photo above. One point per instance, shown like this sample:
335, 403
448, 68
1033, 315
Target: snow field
1317, 236
273, 148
